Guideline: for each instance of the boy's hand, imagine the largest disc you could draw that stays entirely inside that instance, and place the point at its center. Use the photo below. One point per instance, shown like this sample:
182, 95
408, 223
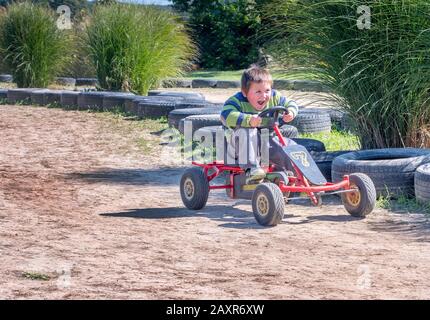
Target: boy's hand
287, 117
255, 121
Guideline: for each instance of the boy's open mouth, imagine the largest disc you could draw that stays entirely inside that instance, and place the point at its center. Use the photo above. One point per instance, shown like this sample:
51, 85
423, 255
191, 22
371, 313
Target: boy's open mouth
261, 103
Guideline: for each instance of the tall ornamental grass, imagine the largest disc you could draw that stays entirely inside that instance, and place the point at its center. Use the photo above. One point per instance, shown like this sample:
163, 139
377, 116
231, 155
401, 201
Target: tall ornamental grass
134, 47
31, 45
380, 75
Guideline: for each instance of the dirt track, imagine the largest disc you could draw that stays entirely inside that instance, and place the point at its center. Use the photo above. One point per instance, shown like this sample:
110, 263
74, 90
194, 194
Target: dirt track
82, 204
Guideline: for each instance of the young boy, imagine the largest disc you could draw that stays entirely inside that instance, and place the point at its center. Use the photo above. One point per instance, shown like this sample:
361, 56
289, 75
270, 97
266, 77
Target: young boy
241, 111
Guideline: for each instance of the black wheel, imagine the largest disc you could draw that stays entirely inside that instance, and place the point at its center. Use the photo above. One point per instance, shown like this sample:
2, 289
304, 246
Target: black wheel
268, 204
361, 202
194, 188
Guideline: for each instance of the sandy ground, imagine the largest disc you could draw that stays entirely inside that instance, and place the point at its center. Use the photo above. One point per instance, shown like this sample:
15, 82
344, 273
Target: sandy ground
82, 204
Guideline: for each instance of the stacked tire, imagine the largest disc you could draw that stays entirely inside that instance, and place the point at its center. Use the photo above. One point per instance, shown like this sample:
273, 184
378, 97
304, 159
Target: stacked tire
312, 121
392, 170
422, 184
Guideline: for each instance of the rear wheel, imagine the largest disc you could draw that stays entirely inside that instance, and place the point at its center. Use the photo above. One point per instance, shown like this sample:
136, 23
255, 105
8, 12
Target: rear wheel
361, 202
268, 204
194, 188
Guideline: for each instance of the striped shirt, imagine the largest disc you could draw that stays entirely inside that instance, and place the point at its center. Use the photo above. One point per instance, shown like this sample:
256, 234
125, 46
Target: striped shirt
237, 111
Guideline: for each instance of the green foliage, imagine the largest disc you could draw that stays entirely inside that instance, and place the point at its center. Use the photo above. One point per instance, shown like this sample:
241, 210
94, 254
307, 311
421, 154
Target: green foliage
31, 45
379, 75
335, 140
226, 31
134, 47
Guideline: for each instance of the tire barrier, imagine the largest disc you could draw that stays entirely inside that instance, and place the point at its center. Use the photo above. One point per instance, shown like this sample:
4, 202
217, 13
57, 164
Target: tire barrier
6, 78
19, 95
64, 81
3, 93
69, 99
200, 121
176, 83
225, 84
114, 100
92, 100
391, 170
311, 121
203, 83
87, 82
422, 184
184, 95
177, 115
310, 144
324, 160
38, 97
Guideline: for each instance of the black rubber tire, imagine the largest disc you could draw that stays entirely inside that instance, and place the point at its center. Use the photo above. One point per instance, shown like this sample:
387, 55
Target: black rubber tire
3, 93
6, 78
422, 183
116, 100
196, 198
38, 97
155, 109
226, 84
200, 121
92, 100
283, 84
391, 169
64, 81
309, 85
289, 131
177, 115
203, 83
310, 121
184, 95
336, 115
325, 159
69, 99
176, 83
367, 200
310, 144
269, 198
87, 82
53, 96
193, 103
22, 95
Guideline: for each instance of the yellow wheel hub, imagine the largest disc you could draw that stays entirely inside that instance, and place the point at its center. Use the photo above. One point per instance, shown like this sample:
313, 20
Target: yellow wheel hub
262, 205
353, 197
189, 189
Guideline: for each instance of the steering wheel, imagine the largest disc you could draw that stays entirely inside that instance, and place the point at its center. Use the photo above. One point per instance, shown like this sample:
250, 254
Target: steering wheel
272, 113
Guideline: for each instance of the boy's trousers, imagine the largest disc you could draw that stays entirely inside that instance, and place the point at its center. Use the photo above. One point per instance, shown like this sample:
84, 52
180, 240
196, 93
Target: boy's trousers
252, 147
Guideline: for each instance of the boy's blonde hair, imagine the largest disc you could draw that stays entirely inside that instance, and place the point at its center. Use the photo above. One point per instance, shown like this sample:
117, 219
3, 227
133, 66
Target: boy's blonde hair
255, 74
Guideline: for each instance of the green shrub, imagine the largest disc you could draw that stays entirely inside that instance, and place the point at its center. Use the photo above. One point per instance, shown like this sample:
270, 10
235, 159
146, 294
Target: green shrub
134, 47
226, 31
31, 45
380, 75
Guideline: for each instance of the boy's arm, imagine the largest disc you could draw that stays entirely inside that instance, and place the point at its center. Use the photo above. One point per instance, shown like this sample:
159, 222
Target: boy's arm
232, 117
291, 106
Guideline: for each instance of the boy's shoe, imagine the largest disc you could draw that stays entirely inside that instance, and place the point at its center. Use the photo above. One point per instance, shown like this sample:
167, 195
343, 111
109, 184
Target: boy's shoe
256, 174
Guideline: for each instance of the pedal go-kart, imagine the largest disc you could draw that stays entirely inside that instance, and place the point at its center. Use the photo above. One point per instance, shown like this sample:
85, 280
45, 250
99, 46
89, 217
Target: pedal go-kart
271, 193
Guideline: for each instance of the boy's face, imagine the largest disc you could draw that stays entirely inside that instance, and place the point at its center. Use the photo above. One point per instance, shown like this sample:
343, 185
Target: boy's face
258, 94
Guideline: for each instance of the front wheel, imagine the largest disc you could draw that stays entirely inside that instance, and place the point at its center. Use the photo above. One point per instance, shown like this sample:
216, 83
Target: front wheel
194, 188
268, 204
361, 202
